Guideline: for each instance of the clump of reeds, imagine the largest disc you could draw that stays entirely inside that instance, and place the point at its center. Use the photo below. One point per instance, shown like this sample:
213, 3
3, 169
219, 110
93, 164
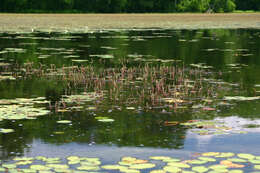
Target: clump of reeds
144, 85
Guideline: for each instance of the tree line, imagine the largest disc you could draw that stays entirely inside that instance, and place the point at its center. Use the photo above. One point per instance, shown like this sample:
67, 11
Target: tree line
127, 6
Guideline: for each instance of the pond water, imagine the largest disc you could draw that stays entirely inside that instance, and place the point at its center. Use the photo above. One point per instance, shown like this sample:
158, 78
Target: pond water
136, 93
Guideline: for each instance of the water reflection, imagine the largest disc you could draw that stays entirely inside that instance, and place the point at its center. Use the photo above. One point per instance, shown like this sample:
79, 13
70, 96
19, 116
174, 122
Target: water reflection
233, 53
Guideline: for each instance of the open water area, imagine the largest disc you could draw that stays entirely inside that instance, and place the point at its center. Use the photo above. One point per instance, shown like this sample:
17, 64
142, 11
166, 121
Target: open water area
115, 99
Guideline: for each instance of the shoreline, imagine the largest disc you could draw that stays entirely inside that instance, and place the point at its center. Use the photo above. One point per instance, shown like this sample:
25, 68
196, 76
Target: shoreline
94, 22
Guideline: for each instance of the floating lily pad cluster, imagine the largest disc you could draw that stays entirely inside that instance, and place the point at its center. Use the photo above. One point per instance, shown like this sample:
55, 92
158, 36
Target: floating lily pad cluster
22, 108
210, 162
210, 127
77, 102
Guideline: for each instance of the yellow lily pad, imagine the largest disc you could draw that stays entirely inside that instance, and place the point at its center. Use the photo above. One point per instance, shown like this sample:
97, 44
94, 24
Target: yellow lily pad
142, 166
200, 169
113, 167
39, 167
208, 159
64, 122
179, 165
88, 168
9, 166
58, 166
257, 166
246, 156
226, 155
172, 169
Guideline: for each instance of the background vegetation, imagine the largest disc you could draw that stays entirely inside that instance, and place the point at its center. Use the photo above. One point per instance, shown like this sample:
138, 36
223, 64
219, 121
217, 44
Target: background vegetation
127, 6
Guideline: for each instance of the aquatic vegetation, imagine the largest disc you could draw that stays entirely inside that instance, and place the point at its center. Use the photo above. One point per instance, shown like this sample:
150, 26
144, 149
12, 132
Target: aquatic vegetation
22, 108
212, 163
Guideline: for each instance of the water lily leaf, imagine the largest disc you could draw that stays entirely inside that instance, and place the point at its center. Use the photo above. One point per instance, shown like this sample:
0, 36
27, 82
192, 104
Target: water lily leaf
23, 159
226, 155
142, 166
171, 160
42, 158
6, 130
106, 120
236, 171
179, 165
74, 162
73, 158
128, 159
172, 169
9, 166
127, 170
64, 122
216, 167
88, 168
113, 167
29, 171
39, 167
208, 159
58, 166
197, 162
246, 156
200, 169
24, 162
257, 166
91, 163
255, 161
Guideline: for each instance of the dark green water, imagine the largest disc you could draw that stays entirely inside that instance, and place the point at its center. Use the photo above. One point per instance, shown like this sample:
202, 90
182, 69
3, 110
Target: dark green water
235, 54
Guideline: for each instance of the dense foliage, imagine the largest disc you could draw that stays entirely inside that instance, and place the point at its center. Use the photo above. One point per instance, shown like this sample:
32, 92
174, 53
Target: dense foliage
116, 6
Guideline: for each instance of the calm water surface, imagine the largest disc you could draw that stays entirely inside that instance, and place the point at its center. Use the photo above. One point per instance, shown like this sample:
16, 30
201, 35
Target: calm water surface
233, 53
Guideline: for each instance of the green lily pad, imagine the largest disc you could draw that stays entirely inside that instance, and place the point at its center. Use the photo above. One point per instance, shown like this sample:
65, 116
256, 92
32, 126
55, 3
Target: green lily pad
39, 167
208, 159
200, 169
197, 162
216, 167
9, 166
106, 120
172, 169
29, 171
257, 166
58, 166
27, 162
6, 130
64, 122
246, 156
142, 166
73, 158
23, 159
88, 168
112, 167
255, 161
225, 155
179, 165
236, 171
